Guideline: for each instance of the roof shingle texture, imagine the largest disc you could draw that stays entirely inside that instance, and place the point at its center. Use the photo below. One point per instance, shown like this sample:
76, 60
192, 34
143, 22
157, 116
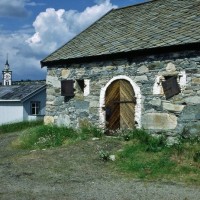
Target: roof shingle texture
18, 92
159, 23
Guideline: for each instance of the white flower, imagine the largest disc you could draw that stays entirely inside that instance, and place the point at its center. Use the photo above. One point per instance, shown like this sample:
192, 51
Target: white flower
112, 157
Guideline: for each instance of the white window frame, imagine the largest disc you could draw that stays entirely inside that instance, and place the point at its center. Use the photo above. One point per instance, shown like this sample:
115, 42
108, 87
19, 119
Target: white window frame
35, 106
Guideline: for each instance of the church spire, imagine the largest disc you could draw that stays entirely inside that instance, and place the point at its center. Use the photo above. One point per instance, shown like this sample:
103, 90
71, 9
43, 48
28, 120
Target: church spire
7, 74
7, 66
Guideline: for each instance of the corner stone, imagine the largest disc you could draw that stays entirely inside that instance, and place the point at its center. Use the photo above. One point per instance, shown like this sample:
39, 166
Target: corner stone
51, 80
48, 120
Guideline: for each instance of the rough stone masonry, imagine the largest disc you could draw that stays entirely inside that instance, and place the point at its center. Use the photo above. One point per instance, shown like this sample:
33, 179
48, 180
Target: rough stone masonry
180, 114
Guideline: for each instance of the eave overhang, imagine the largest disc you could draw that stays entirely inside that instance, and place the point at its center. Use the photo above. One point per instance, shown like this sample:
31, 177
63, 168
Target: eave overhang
130, 55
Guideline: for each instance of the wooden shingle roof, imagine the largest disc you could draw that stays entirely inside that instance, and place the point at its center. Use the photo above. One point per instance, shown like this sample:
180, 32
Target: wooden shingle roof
159, 23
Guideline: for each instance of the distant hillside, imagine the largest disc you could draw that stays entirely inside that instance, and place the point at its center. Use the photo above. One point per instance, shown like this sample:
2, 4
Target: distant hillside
25, 82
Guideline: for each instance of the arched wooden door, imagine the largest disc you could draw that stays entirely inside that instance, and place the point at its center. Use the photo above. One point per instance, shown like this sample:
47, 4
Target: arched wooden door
120, 105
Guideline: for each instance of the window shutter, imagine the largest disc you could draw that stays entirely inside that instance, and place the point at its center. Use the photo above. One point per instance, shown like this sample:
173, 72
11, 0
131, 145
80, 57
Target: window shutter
67, 88
171, 87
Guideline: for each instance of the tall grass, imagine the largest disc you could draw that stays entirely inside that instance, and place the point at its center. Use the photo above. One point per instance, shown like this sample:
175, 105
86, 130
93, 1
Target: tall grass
88, 131
149, 157
45, 137
53, 136
19, 126
153, 144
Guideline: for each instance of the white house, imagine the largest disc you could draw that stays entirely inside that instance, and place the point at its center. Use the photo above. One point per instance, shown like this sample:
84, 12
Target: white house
22, 101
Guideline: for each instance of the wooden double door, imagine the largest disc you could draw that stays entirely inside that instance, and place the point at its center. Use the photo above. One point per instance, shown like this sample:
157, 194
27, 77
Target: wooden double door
120, 104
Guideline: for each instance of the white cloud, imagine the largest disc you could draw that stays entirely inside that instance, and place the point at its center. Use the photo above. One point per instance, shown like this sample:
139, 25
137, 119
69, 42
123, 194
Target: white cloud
52, 29
23, 63
16, 8
34, 4
55, 27
12, 8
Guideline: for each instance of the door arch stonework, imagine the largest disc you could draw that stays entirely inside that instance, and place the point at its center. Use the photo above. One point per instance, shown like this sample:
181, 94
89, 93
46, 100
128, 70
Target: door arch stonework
136, 89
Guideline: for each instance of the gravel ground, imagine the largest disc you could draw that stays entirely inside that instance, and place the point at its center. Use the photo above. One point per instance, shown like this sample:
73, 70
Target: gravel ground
75, 173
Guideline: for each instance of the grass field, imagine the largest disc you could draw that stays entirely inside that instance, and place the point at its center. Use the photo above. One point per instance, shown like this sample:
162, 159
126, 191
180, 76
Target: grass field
139, 154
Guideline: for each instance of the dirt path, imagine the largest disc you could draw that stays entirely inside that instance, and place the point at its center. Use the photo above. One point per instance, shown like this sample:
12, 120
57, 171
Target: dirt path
74, 173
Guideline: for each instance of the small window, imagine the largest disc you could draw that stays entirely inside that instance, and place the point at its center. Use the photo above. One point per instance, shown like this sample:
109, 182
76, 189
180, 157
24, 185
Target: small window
170, 86
35, 107
79, 88
82, 87
67, 88
81, 84
71, 88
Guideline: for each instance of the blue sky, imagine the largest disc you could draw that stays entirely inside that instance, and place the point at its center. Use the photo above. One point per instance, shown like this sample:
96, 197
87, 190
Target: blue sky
32, 29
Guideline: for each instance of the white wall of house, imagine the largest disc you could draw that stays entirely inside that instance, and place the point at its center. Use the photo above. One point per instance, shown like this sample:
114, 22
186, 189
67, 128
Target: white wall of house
11, 112
15, 111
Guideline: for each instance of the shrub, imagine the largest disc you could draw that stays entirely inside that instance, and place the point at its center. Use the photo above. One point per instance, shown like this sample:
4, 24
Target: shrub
104, 155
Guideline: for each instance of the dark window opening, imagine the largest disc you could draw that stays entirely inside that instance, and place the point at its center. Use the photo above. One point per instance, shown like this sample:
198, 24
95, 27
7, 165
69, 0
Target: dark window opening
170, 86
81, 84
168, 77
71, 88
35, 107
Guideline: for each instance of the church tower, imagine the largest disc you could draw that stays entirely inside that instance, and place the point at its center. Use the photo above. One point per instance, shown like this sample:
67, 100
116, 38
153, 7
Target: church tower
7, 74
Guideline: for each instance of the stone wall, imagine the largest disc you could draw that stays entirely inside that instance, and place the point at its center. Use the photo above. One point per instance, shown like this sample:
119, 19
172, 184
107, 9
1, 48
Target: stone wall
179, 114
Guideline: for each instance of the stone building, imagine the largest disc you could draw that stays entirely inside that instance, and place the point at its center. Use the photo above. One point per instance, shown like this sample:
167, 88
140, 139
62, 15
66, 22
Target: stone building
136, 67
